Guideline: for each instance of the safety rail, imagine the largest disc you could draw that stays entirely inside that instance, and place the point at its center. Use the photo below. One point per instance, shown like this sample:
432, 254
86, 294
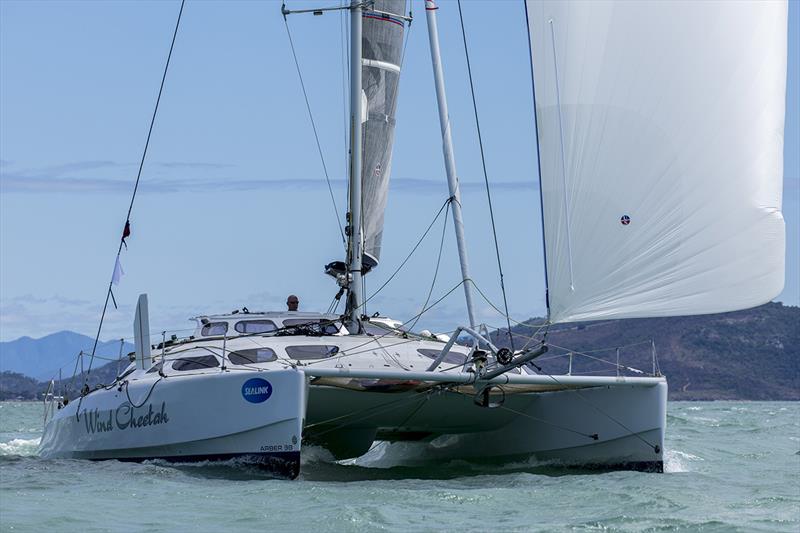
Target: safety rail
51, 400
169, 338
618, 365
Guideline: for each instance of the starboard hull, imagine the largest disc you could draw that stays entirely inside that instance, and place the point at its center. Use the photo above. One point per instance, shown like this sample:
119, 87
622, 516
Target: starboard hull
612, 427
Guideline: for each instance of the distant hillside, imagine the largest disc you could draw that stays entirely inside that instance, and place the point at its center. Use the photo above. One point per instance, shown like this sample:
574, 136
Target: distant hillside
41, 358
15, 386
748, 355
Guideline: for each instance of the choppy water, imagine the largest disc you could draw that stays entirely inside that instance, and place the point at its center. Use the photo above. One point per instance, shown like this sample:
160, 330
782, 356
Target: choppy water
731, 466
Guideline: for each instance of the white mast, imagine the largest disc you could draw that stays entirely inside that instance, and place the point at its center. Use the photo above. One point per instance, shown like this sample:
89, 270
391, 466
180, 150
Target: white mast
355, 297
449, 158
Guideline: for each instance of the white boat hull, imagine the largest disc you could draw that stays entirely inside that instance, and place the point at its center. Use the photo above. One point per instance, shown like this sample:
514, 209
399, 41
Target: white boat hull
629, 424
351, 397
614, 426
257, 416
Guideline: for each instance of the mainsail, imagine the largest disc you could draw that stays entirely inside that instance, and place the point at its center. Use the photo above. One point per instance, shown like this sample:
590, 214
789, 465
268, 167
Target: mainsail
660, 131
382, 48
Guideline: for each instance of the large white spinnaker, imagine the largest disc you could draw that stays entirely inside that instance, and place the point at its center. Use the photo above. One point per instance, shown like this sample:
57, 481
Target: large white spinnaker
382, 48
661, 141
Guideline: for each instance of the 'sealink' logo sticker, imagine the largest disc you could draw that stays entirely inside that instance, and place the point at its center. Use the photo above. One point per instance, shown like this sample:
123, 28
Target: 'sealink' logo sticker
256, 390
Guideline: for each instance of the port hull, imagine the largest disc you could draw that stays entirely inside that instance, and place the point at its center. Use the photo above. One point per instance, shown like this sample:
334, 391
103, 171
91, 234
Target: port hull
255, 416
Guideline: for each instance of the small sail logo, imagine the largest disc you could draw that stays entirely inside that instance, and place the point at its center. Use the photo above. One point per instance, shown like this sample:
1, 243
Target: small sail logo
256, 390
625, 220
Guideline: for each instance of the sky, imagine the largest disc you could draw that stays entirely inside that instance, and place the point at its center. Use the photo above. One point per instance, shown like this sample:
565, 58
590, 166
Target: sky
233, 209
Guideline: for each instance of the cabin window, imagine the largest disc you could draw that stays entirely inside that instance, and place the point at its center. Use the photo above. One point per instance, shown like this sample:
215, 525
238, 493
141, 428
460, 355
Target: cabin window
453, 357
255, 326
255, 355
155, 368
376, 330
195, 363
328, 328
311, 351
214, 329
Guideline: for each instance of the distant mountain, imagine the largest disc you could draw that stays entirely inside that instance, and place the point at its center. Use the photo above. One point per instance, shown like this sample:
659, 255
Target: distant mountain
744, 355
41, 358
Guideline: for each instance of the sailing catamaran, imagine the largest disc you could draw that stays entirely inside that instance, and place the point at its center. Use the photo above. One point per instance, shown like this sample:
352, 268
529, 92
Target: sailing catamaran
660, 138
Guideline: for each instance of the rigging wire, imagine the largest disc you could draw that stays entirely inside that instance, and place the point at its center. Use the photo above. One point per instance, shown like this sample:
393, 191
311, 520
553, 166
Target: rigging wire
485, 175
348, 111
345, 62
372, 410
436, 270
414, 249
592, 436
538, 168
136, 185
509, 320
394, 331
314, 127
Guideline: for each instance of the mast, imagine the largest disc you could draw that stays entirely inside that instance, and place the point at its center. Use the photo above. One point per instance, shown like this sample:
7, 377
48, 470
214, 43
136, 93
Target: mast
449, 158
355, 297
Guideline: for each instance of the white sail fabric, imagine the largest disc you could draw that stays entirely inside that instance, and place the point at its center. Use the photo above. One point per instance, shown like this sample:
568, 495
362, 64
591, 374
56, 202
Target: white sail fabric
661, 138
382, 48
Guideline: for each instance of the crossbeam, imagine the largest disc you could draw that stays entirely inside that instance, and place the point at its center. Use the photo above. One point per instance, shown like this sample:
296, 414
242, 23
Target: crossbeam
469, 377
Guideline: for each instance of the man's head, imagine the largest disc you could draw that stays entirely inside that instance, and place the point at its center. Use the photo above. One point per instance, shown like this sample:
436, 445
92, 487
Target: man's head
292, 302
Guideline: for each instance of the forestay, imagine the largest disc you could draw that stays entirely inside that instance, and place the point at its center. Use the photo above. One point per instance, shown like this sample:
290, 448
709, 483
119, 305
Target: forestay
661, 136
382, 47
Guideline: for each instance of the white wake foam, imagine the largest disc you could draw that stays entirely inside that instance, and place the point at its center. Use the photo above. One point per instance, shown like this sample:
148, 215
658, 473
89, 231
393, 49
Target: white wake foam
677, 461
19, 447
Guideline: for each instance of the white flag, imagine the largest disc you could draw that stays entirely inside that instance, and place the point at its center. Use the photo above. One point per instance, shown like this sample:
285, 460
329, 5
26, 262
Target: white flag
118, 272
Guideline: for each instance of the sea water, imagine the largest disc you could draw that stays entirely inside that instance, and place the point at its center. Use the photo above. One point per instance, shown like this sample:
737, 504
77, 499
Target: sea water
730, 466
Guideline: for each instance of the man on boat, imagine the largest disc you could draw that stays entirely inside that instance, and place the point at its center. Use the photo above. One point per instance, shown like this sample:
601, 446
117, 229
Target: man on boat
292, 302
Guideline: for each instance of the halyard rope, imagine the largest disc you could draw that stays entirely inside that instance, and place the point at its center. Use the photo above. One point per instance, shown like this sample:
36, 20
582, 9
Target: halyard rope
135, 187
485, 174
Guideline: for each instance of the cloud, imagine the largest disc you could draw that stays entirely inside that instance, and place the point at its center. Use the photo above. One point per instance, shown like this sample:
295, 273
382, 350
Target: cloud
103, 176
37, 316
16, 182
78, 166
42, 184
194, 165
416, 185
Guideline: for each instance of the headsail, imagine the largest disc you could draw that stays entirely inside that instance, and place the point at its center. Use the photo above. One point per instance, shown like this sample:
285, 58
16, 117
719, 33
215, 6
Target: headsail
382, 48
661, 140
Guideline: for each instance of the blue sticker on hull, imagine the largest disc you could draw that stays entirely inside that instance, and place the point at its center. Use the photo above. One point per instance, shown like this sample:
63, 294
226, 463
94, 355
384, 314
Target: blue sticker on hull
256, 390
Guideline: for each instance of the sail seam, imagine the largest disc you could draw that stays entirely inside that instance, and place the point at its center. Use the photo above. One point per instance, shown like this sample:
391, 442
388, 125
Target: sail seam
563, 160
